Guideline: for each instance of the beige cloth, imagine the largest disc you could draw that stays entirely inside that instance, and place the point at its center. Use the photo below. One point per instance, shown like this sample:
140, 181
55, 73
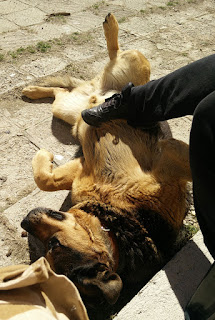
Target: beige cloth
35, 292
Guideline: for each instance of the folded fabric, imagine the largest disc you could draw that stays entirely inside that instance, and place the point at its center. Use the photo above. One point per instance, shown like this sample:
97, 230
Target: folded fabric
36, 292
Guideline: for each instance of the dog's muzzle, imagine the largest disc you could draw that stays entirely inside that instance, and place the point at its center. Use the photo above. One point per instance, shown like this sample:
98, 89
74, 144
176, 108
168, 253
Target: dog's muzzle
34, 217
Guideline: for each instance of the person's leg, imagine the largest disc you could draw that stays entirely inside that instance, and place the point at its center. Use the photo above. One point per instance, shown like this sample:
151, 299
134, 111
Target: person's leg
175, 95
202, 162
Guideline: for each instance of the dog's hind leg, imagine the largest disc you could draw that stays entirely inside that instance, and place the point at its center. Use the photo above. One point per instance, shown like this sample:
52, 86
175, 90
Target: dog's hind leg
36, 92
173, 162
111, 29
65, 81
60, 178
67, 106
51, 86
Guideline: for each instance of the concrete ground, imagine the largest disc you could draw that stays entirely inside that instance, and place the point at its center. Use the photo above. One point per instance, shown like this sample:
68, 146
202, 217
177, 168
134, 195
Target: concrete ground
39, 38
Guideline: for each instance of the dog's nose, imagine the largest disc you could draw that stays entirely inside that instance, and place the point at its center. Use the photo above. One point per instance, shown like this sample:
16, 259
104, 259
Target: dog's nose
32, 218
25, 224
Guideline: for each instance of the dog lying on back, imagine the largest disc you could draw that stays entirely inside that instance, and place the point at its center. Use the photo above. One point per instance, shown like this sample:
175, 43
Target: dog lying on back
128, 188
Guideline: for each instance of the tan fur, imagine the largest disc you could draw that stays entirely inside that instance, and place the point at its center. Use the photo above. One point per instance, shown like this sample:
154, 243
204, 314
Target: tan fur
123, 170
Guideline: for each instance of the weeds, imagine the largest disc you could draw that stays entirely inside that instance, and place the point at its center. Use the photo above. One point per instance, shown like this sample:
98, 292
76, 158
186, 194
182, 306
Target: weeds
58, 42
172, 3
31, 49
191, 230
75, 36
20, 50
40, 46
43, 46
97, 5
13, 54
16, 53
184, 54
121, 20
80, 38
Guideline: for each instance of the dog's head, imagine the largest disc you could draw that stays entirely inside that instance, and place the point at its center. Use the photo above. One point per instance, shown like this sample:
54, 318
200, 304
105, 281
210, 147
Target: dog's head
77, 247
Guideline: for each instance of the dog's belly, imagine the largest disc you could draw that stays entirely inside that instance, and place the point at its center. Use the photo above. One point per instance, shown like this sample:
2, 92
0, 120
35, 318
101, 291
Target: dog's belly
116, 149
115, 159
120, 171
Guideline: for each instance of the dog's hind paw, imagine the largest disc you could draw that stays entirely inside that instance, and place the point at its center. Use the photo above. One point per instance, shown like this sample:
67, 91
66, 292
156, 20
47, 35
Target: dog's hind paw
31, 92
110, 24
111, 28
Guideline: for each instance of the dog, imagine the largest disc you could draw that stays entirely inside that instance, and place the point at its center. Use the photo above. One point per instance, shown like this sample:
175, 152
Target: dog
128, 188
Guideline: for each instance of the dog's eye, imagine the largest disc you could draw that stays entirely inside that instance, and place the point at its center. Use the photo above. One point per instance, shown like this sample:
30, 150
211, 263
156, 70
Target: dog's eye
53, 243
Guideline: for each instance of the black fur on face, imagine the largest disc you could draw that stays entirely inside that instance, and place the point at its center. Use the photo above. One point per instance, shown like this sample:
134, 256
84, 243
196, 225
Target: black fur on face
64, 259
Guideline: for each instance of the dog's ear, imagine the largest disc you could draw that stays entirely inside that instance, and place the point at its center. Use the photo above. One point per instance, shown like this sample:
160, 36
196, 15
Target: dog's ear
108, 283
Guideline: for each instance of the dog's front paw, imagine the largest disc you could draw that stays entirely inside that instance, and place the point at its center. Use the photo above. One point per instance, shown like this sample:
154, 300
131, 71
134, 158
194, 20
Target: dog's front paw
41, 157
42, 169
31, 92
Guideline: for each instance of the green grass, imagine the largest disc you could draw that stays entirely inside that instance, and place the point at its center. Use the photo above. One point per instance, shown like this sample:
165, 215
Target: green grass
75, 36
184, 54
121, 20
43, 46
46, 46
13, 54
80, 38
97, 5
191, 229
58, 42
16, 53
20, 50
40, 46
172, 3
31, 49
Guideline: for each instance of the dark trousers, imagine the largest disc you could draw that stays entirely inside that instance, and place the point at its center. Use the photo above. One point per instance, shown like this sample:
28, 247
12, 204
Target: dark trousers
202, 162
188, 90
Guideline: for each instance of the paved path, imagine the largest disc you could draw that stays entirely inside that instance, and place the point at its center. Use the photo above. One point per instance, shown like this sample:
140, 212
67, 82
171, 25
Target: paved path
35, 43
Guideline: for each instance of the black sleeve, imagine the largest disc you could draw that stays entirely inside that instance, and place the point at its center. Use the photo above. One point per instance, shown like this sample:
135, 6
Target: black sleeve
175, 95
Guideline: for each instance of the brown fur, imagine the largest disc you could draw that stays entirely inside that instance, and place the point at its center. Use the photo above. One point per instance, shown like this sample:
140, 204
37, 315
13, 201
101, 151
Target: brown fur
128, 188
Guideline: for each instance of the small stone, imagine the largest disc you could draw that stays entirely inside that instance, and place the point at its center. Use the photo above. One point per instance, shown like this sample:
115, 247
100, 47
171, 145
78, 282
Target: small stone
24, 234
8, 254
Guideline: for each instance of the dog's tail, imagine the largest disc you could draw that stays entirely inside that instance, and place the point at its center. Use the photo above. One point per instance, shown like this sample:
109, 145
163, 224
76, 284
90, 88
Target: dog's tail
62, 82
